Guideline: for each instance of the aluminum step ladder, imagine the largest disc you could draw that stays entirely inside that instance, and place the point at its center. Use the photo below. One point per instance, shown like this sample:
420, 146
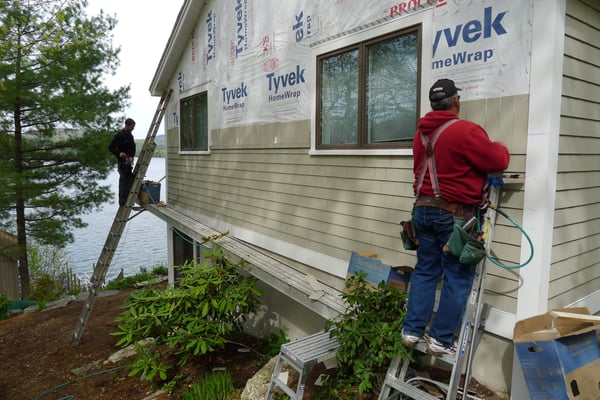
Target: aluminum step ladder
398, 383
302, 355
122, 217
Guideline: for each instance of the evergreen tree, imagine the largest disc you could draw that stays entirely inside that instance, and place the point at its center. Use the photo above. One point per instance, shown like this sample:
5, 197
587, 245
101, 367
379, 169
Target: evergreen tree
56, 119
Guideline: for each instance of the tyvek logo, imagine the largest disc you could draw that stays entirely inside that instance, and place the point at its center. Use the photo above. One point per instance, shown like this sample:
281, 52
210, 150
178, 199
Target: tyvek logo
234, 94
211, 27
473, 30
241, 16
283, 82
302, 26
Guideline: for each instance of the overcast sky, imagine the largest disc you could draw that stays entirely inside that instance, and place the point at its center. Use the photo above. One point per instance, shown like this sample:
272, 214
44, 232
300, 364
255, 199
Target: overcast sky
142, 31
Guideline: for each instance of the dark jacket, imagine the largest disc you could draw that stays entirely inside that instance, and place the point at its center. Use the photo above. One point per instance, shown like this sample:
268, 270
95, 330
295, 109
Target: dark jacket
123, 142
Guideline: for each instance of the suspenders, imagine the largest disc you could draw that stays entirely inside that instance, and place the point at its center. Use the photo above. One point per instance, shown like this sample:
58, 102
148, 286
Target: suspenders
429, 161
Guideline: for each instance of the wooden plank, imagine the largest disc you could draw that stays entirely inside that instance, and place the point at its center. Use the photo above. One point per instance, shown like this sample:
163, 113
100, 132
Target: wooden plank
283, 277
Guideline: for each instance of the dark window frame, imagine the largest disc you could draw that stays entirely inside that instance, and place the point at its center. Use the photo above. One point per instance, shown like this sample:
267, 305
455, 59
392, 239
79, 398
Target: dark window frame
362, 134
194, 138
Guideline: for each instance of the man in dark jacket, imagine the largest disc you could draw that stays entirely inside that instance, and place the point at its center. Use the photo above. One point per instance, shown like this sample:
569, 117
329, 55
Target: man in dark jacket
123, 147
449, 187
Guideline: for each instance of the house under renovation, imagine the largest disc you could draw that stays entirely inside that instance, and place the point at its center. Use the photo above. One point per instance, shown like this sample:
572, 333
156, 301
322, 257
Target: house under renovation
290, 129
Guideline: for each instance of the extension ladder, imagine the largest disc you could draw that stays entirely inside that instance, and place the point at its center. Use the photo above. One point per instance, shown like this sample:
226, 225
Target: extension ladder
114, 235
397, 383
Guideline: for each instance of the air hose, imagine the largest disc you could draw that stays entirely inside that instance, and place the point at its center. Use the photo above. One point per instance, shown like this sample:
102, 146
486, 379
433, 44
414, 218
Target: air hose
70, 397
520, 228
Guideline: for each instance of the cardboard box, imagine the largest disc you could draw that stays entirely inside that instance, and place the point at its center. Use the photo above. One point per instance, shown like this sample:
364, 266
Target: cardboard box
149, 192
559, 354
395, 277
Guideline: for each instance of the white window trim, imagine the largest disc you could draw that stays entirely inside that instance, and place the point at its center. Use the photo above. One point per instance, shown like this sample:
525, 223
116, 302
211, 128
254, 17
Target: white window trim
425, 18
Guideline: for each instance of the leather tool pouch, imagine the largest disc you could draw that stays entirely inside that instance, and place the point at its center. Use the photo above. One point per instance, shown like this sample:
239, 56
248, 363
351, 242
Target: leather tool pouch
408, 236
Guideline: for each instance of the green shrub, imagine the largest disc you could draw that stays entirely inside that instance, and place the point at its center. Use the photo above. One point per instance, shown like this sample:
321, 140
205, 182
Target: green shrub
45, 288
194, 318
369, 333
4, 301
274, 343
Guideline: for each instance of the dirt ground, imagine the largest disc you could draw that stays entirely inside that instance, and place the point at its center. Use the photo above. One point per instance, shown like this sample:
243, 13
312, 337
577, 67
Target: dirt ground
38, 360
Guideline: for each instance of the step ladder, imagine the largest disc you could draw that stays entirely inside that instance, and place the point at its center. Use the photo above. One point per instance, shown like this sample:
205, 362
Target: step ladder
302, 355
398, 383
122, 217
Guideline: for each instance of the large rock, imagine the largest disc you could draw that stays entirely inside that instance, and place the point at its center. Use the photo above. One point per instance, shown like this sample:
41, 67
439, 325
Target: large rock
257, 386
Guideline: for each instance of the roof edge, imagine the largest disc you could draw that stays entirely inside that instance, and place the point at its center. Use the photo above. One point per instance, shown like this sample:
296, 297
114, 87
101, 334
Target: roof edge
184, 26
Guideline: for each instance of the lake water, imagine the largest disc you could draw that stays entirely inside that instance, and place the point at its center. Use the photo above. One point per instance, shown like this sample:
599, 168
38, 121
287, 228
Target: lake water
143, 243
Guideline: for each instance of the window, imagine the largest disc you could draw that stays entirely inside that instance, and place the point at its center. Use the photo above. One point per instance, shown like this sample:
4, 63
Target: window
193, 134
368, 93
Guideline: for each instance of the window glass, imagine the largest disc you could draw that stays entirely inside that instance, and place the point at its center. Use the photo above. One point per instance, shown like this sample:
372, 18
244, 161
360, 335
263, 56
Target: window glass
368, 93
391, 89
339, 98
194, 123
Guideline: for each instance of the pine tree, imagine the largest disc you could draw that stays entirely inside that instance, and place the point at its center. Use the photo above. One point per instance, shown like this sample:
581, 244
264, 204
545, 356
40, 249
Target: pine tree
56, 119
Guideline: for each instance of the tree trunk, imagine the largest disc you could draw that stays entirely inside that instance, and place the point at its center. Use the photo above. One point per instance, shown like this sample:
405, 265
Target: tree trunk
20, 199
22, 240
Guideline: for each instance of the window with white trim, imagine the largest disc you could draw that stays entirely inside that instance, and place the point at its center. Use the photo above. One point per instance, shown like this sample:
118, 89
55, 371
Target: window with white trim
368, 93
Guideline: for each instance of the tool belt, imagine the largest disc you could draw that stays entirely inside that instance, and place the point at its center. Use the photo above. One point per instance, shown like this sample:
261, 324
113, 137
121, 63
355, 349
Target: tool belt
458, 210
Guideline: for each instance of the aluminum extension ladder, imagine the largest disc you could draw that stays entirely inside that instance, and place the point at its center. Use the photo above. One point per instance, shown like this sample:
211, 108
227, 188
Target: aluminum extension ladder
397, 383
122, 217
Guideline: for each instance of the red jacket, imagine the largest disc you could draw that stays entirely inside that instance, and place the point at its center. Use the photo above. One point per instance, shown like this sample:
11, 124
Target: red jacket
464, 155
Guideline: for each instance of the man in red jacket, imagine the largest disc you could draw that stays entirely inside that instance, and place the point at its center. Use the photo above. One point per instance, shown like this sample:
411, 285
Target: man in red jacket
449, 185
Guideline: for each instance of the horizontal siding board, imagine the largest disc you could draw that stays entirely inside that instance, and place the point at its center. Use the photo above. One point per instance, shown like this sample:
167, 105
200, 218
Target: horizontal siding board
575, 231
572, 249
568, 266
574, 181
574, 215
501, 301
580, 109
586, 11
579, 127
581, 30
575, 286
576, 145
573, 295
579, 70
583, 90
575, 198
578, 162
580, 50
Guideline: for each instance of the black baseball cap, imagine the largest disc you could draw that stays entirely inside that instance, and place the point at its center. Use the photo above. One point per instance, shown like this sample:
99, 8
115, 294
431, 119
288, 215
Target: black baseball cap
442, 89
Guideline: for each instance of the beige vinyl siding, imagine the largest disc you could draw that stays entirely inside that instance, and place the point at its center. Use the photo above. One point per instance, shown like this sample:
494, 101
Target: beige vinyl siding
335, 204
328, 204
505, 119
576, 239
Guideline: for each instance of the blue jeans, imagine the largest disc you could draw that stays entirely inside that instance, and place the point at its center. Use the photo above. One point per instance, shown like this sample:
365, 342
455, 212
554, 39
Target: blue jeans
433, 227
